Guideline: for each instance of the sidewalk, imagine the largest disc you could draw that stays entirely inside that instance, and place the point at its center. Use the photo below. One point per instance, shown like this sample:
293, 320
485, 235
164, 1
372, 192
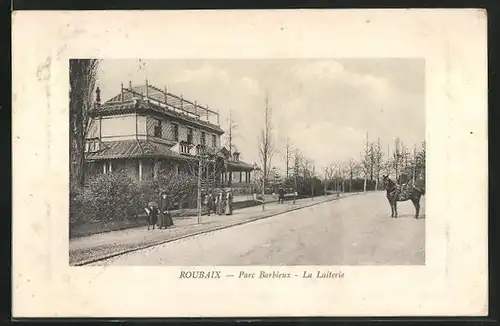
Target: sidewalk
96, 247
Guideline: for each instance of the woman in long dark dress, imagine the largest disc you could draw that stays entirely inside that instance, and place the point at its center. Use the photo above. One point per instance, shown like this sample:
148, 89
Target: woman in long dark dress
166, 218
229, 202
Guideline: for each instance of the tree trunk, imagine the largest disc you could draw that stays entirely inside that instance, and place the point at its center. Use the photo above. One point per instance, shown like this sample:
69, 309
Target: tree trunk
350, 183
263, 189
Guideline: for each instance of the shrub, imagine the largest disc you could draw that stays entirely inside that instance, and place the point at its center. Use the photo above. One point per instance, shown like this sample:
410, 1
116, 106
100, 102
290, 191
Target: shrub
116, 197
105, 197
180, 188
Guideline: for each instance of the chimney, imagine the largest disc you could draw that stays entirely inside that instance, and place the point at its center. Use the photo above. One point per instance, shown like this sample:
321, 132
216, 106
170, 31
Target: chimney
98, 96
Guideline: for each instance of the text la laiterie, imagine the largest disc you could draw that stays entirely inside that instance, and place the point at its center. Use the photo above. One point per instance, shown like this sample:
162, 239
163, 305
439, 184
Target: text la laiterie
277, 274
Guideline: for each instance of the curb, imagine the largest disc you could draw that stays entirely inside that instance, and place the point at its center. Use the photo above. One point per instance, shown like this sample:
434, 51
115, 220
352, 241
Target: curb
160, 242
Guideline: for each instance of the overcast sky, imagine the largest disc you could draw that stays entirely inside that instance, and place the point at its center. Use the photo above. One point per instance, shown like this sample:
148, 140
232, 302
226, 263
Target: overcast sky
325, 107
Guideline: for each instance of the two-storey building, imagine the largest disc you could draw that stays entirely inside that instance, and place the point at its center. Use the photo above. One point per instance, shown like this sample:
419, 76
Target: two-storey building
145, 129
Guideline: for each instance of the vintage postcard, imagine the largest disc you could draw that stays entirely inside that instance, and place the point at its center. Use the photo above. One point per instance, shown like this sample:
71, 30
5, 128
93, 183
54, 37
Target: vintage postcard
250, 163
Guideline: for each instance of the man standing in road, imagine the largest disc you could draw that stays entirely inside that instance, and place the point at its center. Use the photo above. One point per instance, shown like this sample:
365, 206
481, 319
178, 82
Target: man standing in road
281, 195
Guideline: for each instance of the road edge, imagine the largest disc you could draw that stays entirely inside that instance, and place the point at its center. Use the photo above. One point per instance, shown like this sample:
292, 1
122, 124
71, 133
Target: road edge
222, 227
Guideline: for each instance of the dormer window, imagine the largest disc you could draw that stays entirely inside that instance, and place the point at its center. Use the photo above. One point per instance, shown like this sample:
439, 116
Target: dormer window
236, 156
214, 141
157, 128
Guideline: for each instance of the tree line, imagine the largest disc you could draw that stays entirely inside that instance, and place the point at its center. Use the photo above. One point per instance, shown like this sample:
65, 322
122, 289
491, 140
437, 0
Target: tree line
363, 173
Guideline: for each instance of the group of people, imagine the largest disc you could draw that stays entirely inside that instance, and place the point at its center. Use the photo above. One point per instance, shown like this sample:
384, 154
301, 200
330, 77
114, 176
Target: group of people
159, 213
220, 202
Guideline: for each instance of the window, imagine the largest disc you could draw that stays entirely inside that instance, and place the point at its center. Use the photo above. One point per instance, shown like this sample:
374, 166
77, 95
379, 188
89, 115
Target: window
214, 141
175, 128
190, 136
157, 128
91, 146
184, 148
203, 138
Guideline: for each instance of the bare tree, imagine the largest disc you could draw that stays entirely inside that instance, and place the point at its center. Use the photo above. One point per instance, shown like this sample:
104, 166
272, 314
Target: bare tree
345, 172
329, 174
397, 157
313, 178
82, 75
288, 157
266, 150
352, 167
296, 166
377, 161
405, 164
366, 161
420, 162
232, 126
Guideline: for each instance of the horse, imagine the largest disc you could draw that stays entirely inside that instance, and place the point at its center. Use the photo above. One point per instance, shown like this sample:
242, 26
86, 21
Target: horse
395, 194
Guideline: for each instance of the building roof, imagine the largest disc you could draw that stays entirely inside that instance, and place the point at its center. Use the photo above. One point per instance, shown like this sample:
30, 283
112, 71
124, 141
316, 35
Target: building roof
139, 105
239, 165
149, 98
127, 149
136, 149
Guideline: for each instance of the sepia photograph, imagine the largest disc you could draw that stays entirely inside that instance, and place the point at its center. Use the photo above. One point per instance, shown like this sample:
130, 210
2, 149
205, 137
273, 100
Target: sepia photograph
334, 157
210, 162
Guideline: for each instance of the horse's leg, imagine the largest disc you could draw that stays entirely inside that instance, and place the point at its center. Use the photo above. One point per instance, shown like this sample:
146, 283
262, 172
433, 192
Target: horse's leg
395, 208
416, 203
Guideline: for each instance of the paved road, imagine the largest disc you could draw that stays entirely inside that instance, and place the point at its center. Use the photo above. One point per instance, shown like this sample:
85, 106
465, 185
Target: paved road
352, 231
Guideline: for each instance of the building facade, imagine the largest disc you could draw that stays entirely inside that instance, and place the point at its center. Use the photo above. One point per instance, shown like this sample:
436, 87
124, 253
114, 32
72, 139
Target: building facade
145, 130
